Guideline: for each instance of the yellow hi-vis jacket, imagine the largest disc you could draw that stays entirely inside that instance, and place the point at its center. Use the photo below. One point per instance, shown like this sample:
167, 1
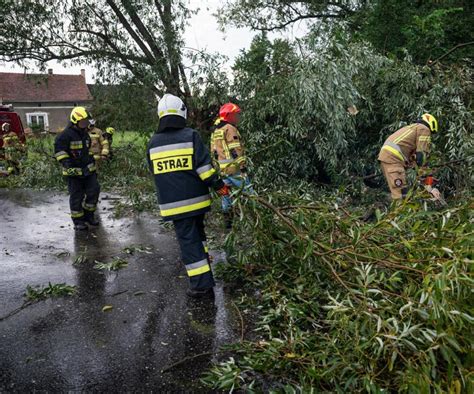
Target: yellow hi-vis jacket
99, 144
402, 146
227, 148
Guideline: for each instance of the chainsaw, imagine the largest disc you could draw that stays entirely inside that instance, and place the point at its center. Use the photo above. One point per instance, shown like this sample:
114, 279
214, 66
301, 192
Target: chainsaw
430, 184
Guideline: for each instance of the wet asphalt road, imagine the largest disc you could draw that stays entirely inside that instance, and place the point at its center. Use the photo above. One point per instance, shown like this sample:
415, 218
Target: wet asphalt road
69, 343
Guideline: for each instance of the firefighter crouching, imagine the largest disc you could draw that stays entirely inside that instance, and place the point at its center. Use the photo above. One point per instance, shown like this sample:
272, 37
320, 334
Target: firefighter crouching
99, 144
14, 150
228, 150
403, 149
183, 174
72, 150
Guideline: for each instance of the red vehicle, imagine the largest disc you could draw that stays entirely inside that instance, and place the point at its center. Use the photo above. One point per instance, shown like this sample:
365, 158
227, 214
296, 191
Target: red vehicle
8, 116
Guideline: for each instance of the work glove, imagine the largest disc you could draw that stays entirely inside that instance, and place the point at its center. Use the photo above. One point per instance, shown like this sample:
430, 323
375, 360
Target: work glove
437, 196
73, 171
223, 191
436, 193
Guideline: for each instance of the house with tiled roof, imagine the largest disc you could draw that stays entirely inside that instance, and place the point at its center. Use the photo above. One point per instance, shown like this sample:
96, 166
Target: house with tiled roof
44, 101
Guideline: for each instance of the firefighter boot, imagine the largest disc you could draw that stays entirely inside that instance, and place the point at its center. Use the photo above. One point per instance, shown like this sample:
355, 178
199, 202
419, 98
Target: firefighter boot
80, 225
90, 219
201, 293
228, 219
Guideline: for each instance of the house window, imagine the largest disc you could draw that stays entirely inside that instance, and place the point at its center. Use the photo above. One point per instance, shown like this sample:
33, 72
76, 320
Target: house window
38, 121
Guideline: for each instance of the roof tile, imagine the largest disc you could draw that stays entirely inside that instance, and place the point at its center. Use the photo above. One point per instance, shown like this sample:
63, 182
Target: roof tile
25, 88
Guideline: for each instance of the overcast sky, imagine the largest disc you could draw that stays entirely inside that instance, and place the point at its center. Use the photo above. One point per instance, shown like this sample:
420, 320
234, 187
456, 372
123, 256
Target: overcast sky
202, 33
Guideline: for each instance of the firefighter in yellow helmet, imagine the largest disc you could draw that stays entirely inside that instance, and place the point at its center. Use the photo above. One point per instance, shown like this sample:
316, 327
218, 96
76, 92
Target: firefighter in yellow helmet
407, 147
228, 150
14, 150
99, 143
109, 134
72, 150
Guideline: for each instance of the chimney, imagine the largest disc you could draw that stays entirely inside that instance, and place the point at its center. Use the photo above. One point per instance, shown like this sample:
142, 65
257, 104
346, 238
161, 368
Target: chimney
50, 71
83, 73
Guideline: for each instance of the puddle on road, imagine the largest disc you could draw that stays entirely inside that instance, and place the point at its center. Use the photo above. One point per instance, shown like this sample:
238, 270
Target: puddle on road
70, 343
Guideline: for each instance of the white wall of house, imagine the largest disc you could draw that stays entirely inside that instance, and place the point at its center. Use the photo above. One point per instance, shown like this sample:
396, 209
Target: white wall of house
53, 117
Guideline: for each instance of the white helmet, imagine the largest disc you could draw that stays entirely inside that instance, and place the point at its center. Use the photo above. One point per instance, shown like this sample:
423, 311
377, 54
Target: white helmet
171, 105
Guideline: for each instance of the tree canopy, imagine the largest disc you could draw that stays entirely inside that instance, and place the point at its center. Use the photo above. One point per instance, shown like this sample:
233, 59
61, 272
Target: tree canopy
424, 29
133, 38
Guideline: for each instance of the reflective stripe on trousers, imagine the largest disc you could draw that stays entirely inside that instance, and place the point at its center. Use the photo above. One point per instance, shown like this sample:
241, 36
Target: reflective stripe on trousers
198, 268
191, 235
82, 191
89, 207
77, 214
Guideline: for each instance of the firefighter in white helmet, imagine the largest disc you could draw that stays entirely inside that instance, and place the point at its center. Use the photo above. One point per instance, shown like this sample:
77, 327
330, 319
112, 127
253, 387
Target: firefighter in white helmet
183, 175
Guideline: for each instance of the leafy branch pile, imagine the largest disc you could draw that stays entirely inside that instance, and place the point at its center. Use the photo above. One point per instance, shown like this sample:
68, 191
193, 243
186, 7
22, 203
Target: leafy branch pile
346, 305
343, 101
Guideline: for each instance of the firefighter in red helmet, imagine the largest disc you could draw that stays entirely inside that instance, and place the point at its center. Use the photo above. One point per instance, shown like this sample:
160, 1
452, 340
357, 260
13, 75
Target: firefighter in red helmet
228, 150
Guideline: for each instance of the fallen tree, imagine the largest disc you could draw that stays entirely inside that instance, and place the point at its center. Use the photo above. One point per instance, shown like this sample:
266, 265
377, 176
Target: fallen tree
344, 305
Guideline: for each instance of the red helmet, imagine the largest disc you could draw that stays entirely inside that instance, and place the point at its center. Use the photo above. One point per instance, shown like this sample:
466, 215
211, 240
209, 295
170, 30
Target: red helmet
229, 112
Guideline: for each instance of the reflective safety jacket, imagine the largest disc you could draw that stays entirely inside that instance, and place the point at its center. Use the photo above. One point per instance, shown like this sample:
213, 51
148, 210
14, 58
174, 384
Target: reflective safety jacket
227, 148
99, 143
71, 149
109, 138
182, 171
404, 144
13, 148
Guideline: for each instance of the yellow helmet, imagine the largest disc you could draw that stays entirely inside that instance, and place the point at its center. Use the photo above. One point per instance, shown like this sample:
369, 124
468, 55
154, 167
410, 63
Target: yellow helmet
432, 122
79, 113
110, 130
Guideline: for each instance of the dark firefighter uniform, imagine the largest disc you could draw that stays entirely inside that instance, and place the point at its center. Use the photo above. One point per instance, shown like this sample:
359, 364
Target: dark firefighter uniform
72, 151
183, 174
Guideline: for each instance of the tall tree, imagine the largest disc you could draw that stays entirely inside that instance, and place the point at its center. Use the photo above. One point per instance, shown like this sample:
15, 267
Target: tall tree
121, 38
